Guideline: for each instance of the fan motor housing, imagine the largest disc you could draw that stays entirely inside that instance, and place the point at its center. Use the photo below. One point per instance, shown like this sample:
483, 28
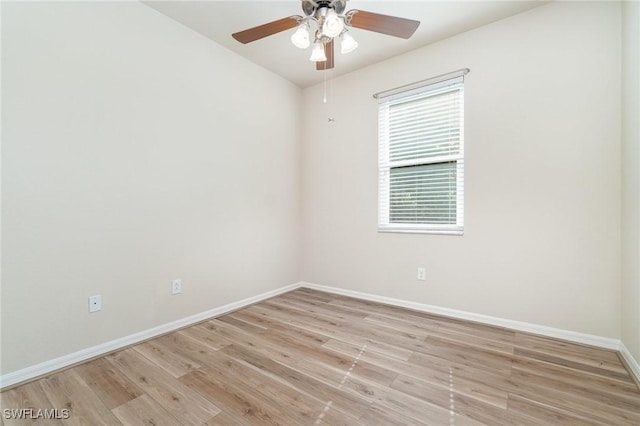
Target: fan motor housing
309, 7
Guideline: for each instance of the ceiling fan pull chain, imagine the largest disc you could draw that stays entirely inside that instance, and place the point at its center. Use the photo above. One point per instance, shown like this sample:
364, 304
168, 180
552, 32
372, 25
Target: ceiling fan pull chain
324, 96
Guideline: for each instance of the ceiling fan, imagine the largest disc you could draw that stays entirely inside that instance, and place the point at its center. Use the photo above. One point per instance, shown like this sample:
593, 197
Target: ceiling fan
331, 22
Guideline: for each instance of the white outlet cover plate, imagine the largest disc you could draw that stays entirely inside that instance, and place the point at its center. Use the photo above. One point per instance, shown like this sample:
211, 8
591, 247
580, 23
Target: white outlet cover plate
176, 286
95, 303
422, 273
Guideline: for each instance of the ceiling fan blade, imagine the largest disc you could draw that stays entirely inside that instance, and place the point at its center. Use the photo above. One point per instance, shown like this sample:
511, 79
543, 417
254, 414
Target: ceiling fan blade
328, 52
390, 25
256, 33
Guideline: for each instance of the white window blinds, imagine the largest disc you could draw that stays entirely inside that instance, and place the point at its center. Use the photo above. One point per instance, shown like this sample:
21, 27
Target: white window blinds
421, 159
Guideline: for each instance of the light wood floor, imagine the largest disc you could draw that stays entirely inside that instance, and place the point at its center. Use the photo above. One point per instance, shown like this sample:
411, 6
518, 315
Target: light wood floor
311, 358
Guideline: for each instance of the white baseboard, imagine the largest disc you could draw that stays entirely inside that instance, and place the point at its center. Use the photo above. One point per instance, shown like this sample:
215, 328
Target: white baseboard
633, 364
46, 367
572, 336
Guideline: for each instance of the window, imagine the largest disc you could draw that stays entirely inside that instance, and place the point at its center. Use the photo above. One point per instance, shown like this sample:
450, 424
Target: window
421, 158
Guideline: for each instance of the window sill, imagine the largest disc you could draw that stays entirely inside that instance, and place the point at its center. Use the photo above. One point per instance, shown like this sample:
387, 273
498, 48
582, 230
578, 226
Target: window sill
410, 230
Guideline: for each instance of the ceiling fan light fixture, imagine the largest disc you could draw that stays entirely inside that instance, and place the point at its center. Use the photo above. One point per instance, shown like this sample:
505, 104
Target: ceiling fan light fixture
333, 24
347, 43
300, 38
330, 21
317, 54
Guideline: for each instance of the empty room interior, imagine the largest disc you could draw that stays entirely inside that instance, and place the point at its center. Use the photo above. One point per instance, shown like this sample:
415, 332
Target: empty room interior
320, 212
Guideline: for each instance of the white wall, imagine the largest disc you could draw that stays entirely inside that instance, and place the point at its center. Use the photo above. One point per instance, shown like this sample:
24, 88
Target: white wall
631, 177
542, 190
135, 151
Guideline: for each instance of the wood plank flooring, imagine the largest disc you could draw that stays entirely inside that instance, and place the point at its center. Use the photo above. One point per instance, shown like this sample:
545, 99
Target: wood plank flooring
311, 358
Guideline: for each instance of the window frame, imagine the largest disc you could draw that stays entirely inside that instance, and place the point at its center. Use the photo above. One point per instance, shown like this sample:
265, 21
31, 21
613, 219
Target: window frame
385, 164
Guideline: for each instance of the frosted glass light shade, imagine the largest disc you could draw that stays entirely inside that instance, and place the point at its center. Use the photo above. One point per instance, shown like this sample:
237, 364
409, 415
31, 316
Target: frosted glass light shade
333, 24
348, 43
300, 38
317, 54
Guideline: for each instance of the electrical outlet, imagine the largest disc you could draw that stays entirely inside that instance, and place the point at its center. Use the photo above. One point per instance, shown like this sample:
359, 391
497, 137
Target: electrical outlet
176, 286
95, 303
422, 274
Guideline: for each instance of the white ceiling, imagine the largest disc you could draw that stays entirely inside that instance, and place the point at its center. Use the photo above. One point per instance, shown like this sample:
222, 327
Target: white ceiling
217, 20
